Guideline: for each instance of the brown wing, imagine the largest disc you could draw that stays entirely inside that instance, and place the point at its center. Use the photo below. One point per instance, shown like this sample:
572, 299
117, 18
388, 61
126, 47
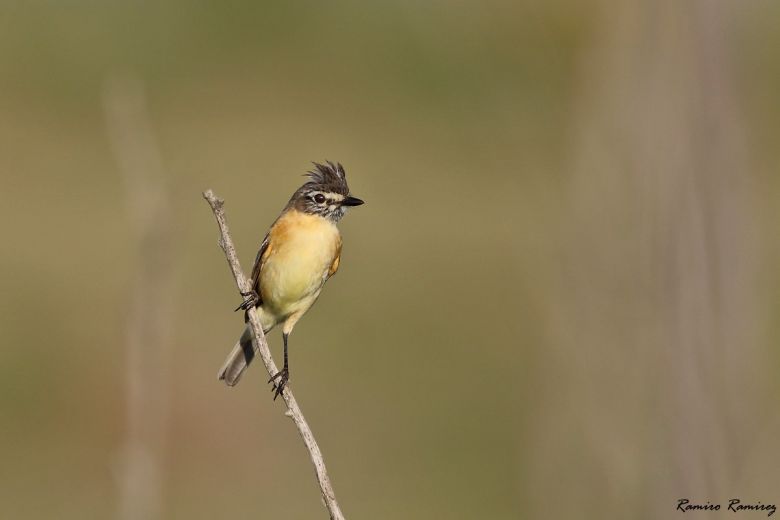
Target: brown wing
334, 266
259, 259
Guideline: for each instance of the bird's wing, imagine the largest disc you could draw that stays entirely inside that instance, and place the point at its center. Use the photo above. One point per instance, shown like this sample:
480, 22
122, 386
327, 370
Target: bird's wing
334, 266
259, 260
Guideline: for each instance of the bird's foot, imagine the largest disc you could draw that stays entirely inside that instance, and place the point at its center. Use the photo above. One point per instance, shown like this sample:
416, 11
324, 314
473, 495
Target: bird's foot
250, 300
278, 387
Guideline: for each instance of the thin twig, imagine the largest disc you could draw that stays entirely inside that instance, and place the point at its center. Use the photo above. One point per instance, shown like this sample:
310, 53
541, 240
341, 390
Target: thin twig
261, 346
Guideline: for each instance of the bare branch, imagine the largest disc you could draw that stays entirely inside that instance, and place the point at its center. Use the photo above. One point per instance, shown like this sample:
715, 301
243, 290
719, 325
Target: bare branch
261, 346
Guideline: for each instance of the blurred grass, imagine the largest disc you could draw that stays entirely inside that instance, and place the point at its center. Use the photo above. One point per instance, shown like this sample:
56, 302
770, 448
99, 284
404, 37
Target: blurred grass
425, 367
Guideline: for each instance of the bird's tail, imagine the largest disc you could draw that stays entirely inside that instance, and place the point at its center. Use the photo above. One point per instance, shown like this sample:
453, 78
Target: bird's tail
242, 354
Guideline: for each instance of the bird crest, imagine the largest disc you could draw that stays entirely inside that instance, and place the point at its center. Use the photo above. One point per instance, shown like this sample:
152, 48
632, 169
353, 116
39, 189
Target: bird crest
328, 176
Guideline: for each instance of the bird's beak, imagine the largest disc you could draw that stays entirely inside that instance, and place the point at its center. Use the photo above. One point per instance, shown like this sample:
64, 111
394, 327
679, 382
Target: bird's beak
351, 201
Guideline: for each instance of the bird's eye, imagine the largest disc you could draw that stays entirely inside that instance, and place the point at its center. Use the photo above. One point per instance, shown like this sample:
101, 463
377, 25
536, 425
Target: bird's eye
319, 198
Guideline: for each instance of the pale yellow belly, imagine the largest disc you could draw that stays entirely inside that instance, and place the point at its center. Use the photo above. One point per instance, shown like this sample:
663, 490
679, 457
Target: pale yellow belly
293, 275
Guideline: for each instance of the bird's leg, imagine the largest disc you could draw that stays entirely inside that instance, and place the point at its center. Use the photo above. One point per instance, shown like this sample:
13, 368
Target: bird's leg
283, 375
250, 300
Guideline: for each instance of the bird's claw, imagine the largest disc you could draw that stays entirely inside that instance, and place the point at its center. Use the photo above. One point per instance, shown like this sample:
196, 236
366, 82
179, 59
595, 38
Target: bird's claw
250, 300
278, 387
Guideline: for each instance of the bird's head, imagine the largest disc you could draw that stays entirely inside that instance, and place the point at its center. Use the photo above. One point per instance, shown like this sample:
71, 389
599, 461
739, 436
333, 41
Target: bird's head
326, 193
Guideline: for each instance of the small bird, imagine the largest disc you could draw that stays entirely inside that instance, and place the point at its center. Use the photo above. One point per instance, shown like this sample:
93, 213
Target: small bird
297, 256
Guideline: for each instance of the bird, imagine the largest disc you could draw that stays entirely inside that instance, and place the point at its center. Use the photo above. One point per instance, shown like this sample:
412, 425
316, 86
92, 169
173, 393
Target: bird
300, 252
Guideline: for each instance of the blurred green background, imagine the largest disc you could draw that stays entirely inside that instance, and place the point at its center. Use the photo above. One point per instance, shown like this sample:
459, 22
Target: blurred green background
560, 298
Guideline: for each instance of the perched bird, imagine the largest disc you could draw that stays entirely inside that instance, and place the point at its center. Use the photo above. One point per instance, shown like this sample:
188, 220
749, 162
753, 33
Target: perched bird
298, 255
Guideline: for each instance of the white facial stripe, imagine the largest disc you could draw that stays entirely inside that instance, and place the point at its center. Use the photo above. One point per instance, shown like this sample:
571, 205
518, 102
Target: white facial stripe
331, 197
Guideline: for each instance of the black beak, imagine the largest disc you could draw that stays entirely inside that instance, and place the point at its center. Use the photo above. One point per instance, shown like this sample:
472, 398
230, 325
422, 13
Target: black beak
351, 201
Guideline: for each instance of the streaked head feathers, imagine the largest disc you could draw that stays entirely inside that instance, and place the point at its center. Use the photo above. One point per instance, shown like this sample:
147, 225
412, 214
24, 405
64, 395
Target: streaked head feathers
326, 193
328, 176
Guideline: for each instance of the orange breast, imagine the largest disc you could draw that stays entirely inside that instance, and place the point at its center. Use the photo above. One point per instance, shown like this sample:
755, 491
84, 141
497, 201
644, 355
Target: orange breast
301, 253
